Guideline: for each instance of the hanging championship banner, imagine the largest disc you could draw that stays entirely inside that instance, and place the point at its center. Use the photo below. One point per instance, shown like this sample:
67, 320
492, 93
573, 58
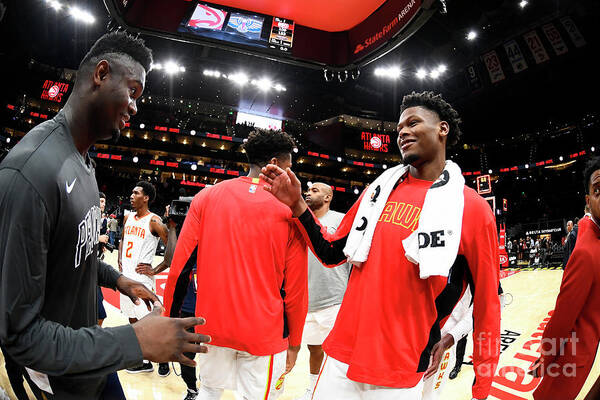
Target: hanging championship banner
574, 34
536, 47
473, 77
515, 56
558, 44
492, 62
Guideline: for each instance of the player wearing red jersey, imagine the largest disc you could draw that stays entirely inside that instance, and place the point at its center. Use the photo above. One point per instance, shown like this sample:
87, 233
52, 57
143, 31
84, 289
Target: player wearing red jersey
251, 275
389, 319
572, 335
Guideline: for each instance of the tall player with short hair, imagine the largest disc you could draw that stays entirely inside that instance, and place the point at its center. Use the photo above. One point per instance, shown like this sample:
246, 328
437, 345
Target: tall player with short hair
416, 228
49, 218
251, 269
142, 231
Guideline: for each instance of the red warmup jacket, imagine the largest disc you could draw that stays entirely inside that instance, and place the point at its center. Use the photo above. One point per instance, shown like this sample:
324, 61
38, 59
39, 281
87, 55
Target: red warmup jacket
390, 318
251, 268
577, 312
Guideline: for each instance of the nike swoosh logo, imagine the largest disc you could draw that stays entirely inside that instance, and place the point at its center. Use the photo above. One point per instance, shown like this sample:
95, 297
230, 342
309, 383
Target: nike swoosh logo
70, 187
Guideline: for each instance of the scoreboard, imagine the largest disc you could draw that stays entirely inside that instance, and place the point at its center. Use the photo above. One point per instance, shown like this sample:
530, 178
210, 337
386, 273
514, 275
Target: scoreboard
382, 26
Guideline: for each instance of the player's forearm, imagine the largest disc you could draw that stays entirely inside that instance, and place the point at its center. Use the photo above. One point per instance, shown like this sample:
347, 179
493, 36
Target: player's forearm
107, 275
328, 249
169, 251
53, 349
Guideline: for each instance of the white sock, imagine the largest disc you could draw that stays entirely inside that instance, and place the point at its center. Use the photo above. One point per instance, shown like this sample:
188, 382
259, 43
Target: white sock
313, 381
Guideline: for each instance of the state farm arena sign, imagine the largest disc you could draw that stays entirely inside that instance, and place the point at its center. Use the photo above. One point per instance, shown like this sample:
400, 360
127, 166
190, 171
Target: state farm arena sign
382, 25
54, 91
375, 141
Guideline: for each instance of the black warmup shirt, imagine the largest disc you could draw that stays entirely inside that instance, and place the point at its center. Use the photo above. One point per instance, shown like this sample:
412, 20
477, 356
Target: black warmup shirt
49, 270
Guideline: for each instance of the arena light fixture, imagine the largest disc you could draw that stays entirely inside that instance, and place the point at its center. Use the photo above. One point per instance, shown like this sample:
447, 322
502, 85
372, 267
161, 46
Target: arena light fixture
295, 149
472, 35
280, 88
523, 3
81, 15
489, 171
194, 167
526, 165
193, 132
142, 126
434, 74
356, 191
239, 78
309, 183
171, 68
561, 158
339, 159
263, 84
135, 159
593, 149
8, 140
54, 4
421, 73
392, 72
384, 166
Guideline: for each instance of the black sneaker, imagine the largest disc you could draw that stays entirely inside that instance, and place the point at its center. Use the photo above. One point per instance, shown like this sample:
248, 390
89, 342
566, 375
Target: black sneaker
191, 394
454, 373
163, 370
145, 367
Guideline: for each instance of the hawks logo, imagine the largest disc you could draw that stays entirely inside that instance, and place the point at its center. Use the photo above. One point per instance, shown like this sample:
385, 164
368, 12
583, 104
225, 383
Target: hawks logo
503, 258
279, 383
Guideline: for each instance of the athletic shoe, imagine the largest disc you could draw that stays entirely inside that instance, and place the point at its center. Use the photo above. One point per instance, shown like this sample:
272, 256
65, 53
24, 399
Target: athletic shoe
454, 373
163, 370
145, 367
191, 394
307, 395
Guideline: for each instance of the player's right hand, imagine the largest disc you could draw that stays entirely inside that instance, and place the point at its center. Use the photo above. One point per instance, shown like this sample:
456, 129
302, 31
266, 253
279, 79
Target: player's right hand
285, 186
164, 339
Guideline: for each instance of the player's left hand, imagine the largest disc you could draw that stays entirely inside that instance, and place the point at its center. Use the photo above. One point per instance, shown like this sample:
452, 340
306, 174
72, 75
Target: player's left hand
436, 354
144, 269
536, 369
136, 291
292, 355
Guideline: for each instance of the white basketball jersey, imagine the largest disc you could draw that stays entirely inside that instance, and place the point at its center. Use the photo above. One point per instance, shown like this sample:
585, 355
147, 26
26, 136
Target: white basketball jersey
139, 245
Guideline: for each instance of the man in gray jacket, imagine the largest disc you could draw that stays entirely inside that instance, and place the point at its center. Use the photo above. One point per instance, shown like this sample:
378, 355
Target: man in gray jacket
49, 228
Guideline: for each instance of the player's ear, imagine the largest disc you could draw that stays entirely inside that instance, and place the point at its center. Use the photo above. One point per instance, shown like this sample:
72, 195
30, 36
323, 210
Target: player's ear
274, 161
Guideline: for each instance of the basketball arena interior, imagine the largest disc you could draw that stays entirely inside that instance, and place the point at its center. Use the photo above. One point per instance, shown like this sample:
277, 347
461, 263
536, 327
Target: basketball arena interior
332, 74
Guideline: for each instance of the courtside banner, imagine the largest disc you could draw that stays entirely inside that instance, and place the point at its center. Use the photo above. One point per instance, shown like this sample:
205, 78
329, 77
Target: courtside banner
515, 56
537, 48
557, 42
573, 31
492, 62
382, 25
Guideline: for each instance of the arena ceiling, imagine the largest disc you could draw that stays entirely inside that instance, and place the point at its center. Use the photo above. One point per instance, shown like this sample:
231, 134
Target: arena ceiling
33, 30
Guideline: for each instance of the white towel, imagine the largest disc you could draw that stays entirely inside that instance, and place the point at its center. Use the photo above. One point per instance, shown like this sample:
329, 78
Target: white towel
434, 244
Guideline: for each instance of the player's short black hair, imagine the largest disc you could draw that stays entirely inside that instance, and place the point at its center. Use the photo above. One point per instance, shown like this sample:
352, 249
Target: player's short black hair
115, 45
262, 145
592, 166
435, 102
148, 189
102, 195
